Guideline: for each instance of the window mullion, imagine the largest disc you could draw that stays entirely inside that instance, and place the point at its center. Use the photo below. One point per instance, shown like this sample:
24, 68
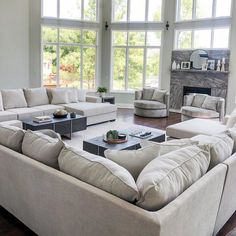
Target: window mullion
146, 10
127, 62
214, 9
82, 10
58, 59
194, 9
58, 8
212, 37
81, 61
192, 41
145, 61
128, 10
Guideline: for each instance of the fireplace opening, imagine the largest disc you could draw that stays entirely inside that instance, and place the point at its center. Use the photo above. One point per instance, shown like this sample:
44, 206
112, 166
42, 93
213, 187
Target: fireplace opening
188, 90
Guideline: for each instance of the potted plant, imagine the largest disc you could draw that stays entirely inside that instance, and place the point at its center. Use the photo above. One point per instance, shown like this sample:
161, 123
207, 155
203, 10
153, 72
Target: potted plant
102, 91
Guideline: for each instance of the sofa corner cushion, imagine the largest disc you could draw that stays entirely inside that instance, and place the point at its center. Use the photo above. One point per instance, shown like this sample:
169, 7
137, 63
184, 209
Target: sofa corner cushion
13, 98
149, 105
210, 103
148, 93
166, 177
36, 96
198, 100
11, 137
133, 160
159, 95
99, 172
199, 112
221, 147
42, 148
1, 103
59, 96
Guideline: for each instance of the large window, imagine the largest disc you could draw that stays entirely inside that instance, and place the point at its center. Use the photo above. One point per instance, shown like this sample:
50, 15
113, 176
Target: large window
202, 9
69, 57
137, 10
85, 10
136, 59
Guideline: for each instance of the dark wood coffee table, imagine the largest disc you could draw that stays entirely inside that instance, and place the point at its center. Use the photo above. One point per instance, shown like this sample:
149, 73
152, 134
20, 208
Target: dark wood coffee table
63, 126
97, 145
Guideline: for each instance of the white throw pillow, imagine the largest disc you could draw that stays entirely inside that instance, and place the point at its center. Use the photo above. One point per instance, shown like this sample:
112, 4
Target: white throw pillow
159, 95
99, 172
11, 137
221, 147
210, 103
59, 96
133, 160
81, 95
169, 146
72, 95
1, 104
36, 97
42, 148
13, 98
166, 177
231, 120
232, 134
198, 100
148, 93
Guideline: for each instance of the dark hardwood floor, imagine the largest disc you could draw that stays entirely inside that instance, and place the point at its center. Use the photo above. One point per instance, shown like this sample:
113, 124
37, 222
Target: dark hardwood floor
10, 226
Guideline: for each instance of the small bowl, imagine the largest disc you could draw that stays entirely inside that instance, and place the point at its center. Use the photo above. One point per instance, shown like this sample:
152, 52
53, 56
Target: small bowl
122, 136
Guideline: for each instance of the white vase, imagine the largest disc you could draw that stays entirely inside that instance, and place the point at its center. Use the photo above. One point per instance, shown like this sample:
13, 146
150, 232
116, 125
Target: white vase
174, 65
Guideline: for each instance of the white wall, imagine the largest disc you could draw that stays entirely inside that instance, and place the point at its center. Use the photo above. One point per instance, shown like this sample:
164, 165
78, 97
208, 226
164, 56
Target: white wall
14, 43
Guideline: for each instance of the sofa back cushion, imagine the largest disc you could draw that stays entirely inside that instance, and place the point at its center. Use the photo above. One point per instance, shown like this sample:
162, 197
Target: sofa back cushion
59, 96
13, 98
99, 172
232, 120
210, 103
198, 100
11, 137
159, 95
36, 96
148, 93
221, 147
1, 104
133, 160
81, 95
167, 176
72, 95
42, 148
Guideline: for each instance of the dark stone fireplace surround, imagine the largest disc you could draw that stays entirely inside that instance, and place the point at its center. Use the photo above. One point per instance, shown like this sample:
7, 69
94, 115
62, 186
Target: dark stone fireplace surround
192, 81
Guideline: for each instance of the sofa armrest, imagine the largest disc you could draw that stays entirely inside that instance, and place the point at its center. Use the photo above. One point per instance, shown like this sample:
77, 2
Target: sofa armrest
225, 119
138, 94
188, 100
221, 108
167, 102
93, 99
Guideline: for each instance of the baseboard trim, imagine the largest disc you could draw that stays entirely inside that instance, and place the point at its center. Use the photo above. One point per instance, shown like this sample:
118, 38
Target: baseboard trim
125, 105
175, 111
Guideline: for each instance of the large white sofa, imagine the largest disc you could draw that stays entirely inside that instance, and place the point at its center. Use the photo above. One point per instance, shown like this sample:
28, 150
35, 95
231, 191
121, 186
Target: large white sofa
21, 104
51, 202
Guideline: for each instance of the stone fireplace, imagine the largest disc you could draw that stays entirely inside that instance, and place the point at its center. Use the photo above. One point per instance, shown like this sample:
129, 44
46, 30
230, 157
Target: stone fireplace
197, 81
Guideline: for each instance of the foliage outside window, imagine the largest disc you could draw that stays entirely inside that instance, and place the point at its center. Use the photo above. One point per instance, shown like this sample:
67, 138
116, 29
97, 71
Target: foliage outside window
137, 11
136, 59
85, 10
69, 57
188, 10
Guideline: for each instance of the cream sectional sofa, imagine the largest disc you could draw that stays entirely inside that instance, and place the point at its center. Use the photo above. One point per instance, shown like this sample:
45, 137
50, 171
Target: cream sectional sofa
51, 202
22, 104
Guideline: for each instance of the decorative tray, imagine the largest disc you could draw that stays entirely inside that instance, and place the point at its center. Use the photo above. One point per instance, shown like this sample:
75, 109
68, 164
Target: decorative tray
115, 141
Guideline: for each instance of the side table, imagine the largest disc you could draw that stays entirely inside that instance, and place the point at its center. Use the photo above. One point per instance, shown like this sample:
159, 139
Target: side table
110, 99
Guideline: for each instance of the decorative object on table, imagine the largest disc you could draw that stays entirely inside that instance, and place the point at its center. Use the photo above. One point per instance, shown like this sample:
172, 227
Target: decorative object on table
185, 65
178, 66
218, 65
60, 113
141, 134
174, 65
198, 57
204, 66
42, 119
72, 115
223, 65
211, 64
114, 137
102, 91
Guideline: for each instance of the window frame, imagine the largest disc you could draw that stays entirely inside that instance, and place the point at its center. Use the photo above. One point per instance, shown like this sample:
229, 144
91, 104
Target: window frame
136, 22
145, 47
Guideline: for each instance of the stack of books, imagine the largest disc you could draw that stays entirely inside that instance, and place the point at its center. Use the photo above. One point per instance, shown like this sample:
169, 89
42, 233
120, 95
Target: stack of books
42, 119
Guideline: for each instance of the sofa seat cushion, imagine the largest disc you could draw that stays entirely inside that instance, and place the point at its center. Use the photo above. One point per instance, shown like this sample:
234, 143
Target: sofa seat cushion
7, 115
190, 128
26, 113
167, 176
149, 105
90, 109
199, 112
48, 109
36, 96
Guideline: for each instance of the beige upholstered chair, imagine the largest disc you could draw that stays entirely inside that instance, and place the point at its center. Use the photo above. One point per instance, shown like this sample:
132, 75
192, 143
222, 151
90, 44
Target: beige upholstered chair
203, 106
151, 102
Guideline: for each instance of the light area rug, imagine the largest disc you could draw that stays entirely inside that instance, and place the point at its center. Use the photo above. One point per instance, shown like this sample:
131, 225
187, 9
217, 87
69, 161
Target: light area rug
98, 130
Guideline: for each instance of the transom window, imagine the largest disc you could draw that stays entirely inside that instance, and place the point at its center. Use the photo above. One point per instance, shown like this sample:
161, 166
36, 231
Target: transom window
136, 59
69, 57
137, 10
202, 9
85, 10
